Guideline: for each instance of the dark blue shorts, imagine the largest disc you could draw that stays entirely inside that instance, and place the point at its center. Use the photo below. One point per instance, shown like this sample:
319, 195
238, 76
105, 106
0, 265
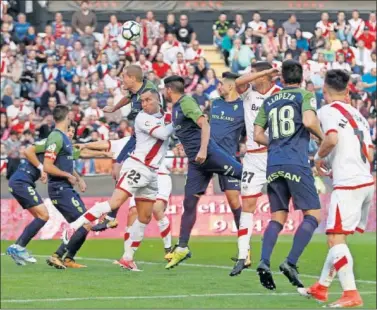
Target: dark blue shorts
199, 176
291, 181
67, 201
24, 192
228, 183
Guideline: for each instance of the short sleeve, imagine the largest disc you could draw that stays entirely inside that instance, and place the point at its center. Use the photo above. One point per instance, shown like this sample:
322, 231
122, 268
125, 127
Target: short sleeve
309, 102
76, 153
328, 119
261, 119
191, 109
40, 146
54, 144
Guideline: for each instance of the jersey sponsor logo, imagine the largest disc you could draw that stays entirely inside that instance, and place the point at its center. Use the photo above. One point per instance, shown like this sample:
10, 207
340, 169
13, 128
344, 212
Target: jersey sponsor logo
223, 117
313, 103
280, 96
254, 107
235, 107
285, 175
51, 147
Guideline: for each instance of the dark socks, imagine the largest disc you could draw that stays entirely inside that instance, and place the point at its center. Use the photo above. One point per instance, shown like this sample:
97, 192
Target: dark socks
112, 214
237, 216
30, 231
61, 250
188, 220
77, 240
302, 237
269, 240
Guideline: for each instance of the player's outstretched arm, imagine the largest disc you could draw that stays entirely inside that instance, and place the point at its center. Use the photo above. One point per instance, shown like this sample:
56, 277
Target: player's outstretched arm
88, 153
122, 102
311, 122
259, 135
242, 83
102, 145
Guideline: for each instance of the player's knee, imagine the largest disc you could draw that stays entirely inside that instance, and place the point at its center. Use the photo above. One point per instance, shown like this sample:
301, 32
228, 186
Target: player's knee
249, 205
334, 239
132, 212
145, 218
314, 213
41, 212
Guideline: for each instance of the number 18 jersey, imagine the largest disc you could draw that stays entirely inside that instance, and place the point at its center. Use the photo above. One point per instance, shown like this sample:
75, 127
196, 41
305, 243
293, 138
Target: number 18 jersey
282, 114
349, 158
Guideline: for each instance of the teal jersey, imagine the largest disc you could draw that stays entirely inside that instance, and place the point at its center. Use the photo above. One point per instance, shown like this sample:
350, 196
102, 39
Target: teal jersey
282, 115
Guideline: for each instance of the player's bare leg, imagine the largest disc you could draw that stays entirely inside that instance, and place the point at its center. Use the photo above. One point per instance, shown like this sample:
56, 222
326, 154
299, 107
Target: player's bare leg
163, 222
136, 233
249, 205
18, 250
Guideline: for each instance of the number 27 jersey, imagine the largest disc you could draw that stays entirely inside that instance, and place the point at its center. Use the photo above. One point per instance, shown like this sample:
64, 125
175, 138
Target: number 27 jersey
349, 158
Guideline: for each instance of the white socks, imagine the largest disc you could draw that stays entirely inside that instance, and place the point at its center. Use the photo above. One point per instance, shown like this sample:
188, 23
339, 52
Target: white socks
339, 260
91, 215
244, 234
343, 263
328, 271
136, 235
165, 232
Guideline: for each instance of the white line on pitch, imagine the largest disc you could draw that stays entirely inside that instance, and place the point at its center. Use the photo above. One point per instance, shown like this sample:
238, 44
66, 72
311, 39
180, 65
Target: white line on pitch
201, 266
158, 297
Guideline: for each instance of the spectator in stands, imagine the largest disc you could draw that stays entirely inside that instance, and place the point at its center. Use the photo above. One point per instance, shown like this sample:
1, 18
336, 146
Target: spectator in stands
67, 72
170, 48
342, 28
325, 25
103, 67
112, 53
357, 25
317, 42
4, 127
220, 29
15, 70
4, 6
210, 83
30, 38
281, 39
227, 44
47, 126
201, 68
294, 50
84, 18
83, 99
185, 32
77, 54
38, 87
259, 28
152, 28
150, 50
114, 27
291, 25
87, 40
335, 43
51, 104
191, 80
240, 56
7, 97
340, 63
371, 23
112, 118
159, 66
13, 146
151, 76
193, 53
93, 110
371, 63
368, 38
124, 129
50, 71
145, 64
369, 81
84, 69
349, 56
362, 57
238, 25
111, 80
270, 44
179, 67
302, 43
102, 94
58, 26
21, 27
6, 36
200, 97
50, 92
170, 24
16, 110
68, 39
318, 80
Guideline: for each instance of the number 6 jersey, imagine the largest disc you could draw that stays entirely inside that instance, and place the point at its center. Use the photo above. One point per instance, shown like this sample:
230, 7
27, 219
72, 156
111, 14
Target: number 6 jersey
349, 158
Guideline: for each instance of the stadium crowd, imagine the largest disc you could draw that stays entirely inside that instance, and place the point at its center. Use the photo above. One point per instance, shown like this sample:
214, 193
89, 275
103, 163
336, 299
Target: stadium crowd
77, 64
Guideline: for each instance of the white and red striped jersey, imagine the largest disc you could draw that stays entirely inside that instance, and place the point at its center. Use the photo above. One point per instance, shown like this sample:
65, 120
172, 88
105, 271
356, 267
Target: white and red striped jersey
191, 54
111, 82
357, 27
97, 112
152, 139
4, 65
326, 27
3, 4
180, 69
252, 101
116, 146
146, 66
13, 112
349, 158
372, 26
114, 30
50, 74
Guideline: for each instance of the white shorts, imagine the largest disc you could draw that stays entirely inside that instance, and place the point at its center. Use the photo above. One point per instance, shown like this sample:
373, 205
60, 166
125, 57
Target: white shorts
138, 181
164, 189
349, 209
253, 175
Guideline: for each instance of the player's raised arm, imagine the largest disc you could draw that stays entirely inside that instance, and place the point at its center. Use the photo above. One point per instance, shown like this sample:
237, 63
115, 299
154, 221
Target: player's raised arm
260, 126
309, 115
54, 144
102, 145
122, 102
242, 83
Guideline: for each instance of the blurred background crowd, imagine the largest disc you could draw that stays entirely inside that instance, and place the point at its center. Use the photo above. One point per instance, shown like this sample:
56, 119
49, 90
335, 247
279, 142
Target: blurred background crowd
73, 62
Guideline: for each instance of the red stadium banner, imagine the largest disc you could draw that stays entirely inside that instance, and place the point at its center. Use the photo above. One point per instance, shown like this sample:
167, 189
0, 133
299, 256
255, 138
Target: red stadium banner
214, 218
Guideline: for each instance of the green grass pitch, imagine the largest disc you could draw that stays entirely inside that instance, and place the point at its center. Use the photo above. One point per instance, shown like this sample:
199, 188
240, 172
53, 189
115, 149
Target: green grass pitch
202, 282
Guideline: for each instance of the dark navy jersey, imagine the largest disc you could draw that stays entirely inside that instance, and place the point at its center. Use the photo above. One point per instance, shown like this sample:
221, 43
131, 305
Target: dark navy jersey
135, 99
186, 113
32, 173
227, 123
59, 148
282, 114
